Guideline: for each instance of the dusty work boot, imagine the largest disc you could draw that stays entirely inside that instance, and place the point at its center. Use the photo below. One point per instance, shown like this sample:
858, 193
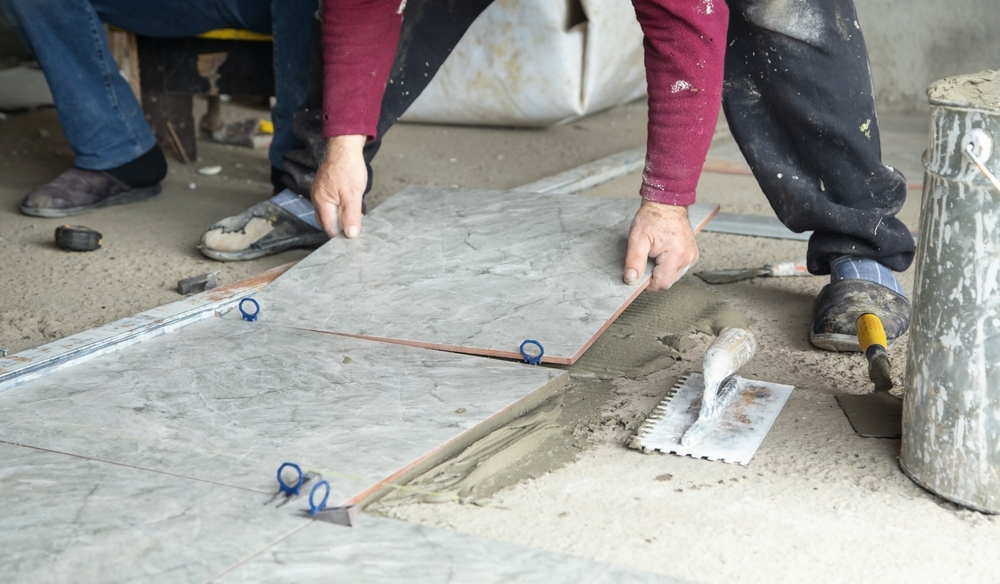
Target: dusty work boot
78, 191
858, 287
283, 222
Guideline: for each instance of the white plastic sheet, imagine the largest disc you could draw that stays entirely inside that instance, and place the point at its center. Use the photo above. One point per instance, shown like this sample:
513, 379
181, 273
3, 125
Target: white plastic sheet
538, 63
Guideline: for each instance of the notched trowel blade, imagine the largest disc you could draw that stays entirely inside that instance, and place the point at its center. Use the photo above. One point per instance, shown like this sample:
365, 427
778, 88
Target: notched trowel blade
707, 418
738, 432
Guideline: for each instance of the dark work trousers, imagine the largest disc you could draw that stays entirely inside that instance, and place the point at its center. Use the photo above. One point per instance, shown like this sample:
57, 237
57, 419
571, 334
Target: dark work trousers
799, 102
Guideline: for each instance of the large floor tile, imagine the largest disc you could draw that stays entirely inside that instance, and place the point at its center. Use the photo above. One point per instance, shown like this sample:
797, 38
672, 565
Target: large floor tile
66, 519
383, 551
229, 401
469, 270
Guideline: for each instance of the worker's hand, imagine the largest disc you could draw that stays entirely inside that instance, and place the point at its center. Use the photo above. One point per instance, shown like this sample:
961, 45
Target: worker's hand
340, 185
662, 232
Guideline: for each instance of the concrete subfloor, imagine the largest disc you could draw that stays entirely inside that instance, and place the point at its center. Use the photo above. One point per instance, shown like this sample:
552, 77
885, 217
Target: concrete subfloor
817, 503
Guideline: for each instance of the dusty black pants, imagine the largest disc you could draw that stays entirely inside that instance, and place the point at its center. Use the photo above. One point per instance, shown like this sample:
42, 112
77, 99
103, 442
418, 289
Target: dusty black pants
798, 99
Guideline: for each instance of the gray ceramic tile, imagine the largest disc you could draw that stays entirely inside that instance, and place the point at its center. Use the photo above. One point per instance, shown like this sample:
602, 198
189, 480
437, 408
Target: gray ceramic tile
66, 519
383, 551
229, 401
36, 363
468, 270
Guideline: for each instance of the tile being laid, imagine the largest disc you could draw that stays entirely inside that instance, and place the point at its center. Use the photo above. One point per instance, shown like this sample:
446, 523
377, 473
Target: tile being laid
230, 401
470, 271
387, 551
68, 519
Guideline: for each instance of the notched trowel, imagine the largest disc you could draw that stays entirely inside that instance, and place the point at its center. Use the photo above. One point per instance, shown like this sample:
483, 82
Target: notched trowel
716, 415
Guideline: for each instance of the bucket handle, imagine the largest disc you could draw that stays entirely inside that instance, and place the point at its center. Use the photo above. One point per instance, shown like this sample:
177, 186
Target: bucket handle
979, 141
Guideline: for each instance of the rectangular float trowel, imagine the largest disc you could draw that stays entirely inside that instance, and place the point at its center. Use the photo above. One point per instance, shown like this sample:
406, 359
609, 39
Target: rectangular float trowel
716, 415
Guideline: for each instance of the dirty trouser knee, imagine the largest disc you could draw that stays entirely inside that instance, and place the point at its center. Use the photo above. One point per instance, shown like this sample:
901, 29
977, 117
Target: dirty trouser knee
798, 99
100, 116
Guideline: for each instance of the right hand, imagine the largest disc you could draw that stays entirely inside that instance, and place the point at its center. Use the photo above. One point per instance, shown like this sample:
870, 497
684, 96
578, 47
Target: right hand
340, 186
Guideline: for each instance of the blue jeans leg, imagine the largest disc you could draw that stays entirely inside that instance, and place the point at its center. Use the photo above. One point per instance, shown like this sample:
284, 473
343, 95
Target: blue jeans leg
100, 116
292, 24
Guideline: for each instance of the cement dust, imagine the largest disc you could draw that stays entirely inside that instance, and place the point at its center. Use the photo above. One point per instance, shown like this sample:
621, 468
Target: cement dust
652, 333
973, 89
597, 406
470, 475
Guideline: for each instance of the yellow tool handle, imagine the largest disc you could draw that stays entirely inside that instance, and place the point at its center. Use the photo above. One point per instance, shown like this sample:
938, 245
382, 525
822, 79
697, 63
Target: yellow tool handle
870, 331
234, 34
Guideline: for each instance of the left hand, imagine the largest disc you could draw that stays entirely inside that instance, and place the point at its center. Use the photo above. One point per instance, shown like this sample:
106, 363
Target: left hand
662, 232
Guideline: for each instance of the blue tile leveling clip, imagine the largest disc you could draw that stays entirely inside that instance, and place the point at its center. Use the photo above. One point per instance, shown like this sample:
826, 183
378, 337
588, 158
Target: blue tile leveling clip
286, 489
289, 491
532, 359
313, 507
250, 317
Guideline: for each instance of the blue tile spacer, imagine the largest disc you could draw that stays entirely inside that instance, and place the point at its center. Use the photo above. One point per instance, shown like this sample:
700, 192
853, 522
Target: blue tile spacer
532, 359
313, 507
246, 315
287, 489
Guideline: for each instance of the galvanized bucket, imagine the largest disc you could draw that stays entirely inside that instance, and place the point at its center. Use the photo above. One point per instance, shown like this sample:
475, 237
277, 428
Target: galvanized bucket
951, 408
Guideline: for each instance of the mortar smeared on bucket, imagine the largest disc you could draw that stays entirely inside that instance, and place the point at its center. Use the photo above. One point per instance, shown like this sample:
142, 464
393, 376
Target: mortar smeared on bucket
951, 409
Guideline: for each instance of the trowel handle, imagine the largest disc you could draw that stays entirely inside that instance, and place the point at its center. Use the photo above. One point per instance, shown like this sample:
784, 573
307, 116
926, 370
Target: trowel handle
734, 346
728, 352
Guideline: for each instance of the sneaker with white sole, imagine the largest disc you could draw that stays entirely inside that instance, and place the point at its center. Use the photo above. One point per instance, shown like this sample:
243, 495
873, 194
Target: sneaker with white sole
261, 230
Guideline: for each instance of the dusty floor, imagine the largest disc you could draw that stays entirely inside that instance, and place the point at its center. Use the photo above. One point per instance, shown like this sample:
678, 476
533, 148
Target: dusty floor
817, 503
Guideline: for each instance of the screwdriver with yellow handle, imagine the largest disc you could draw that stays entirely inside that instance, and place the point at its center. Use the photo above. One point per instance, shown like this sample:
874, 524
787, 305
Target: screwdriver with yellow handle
871, 337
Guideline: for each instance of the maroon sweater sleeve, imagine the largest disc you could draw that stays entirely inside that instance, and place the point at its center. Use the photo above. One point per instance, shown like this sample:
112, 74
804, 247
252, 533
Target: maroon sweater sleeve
359, 45
684, 48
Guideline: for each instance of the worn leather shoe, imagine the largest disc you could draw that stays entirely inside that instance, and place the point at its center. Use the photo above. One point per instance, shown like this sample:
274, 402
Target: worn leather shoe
839, 305
78, 191
261, 230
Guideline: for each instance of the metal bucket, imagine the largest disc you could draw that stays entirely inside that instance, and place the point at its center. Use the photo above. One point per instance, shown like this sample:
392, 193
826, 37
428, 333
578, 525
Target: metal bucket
951, 409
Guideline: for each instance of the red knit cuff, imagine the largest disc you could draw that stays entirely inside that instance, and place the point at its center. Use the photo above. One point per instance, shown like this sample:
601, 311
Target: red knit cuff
651, 193
334, 127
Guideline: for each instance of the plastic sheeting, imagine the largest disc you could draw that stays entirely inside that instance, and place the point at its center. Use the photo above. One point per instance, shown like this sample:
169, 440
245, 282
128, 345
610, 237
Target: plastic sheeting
538, 63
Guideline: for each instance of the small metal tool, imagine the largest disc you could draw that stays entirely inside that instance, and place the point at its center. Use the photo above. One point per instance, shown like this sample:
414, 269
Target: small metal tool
78, 238
773, 270
878, 414
198, 283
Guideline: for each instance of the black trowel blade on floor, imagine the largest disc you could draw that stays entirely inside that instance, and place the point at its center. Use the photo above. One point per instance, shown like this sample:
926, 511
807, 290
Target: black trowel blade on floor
874, 415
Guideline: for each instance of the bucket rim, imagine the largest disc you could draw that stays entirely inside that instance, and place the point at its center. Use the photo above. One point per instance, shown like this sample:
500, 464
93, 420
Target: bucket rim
963, 105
